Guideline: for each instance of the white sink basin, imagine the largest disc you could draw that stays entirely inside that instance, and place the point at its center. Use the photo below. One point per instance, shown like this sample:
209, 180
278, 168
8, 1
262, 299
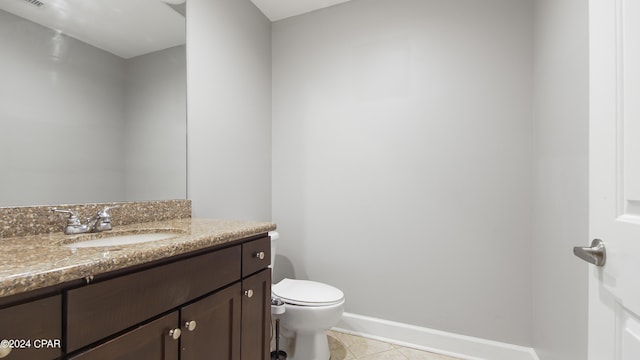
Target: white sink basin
124, 239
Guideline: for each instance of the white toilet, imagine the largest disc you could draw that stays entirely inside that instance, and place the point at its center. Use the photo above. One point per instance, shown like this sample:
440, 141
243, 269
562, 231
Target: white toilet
311, 308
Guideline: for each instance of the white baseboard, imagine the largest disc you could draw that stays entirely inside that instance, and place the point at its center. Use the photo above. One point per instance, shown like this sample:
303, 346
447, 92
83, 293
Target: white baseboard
436, 341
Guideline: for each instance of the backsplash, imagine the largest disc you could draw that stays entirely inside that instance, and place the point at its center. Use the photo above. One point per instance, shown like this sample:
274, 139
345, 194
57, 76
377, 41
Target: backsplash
34, 220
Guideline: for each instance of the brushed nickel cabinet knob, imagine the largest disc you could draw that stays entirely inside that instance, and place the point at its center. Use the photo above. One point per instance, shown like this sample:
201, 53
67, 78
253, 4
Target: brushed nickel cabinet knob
175, 334
190, 325
4, 351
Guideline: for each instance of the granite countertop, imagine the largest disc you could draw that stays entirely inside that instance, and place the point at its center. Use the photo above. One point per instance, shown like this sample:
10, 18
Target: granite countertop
34, 262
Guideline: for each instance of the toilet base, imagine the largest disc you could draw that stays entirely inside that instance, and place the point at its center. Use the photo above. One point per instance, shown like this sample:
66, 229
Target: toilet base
310, 346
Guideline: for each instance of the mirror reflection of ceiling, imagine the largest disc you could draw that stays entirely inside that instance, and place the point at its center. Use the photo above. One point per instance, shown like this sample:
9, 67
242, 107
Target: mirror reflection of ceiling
126, 28
280, 9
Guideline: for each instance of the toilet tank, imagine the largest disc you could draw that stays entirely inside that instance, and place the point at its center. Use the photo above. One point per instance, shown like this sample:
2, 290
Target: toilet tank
274, 235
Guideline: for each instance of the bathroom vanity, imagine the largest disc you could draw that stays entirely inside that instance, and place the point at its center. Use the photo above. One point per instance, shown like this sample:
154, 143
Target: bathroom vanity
204, 294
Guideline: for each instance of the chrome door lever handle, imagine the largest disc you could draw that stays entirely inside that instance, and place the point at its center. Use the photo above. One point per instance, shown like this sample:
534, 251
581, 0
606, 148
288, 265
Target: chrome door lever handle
596, 254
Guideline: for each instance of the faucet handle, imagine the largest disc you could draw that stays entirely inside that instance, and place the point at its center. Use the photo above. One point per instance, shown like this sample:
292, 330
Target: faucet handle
103, 219
105, 212
73, 216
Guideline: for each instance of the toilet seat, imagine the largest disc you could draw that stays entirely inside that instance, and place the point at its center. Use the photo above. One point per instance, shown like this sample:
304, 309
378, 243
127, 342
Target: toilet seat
307, 293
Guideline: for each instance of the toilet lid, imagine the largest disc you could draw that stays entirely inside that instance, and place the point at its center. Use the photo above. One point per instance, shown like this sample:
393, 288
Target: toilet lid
307, 293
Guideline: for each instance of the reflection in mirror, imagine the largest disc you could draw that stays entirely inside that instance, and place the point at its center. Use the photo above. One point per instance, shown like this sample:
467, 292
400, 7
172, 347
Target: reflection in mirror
92, 101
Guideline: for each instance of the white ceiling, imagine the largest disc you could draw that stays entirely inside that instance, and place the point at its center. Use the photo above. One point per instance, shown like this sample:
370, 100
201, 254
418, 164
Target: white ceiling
130, 28
279, 9
126, 28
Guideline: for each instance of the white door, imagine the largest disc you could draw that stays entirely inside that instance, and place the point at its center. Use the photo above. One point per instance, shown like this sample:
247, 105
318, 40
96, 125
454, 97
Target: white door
614, 175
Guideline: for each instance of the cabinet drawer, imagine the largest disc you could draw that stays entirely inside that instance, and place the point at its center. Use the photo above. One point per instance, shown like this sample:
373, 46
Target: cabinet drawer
256, 255
101, 309
30, 324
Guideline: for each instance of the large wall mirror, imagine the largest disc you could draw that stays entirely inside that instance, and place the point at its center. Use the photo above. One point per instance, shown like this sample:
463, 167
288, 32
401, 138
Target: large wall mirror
92, 101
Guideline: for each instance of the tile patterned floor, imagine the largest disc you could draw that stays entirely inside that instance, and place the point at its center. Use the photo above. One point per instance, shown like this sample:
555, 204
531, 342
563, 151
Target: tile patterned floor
349, 347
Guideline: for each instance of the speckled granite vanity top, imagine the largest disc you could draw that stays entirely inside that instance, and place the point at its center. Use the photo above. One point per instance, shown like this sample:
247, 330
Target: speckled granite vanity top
38, 261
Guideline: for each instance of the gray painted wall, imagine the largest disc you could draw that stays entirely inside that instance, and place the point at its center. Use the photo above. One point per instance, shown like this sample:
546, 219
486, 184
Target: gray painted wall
52, 115
229, 109
561, 135
155, 110
402, 160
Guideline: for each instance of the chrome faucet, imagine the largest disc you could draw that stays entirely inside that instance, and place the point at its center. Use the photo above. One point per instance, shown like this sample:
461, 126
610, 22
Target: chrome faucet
97, 223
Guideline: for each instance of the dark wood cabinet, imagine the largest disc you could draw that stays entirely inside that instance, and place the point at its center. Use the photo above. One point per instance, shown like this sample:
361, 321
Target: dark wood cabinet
33, 329
209, 328
98, 310
207, 299
211, 305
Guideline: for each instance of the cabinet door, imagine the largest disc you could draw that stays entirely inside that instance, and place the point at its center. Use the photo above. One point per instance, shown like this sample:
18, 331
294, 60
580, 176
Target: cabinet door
34, 330
149, 342
256, 316
216, 334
